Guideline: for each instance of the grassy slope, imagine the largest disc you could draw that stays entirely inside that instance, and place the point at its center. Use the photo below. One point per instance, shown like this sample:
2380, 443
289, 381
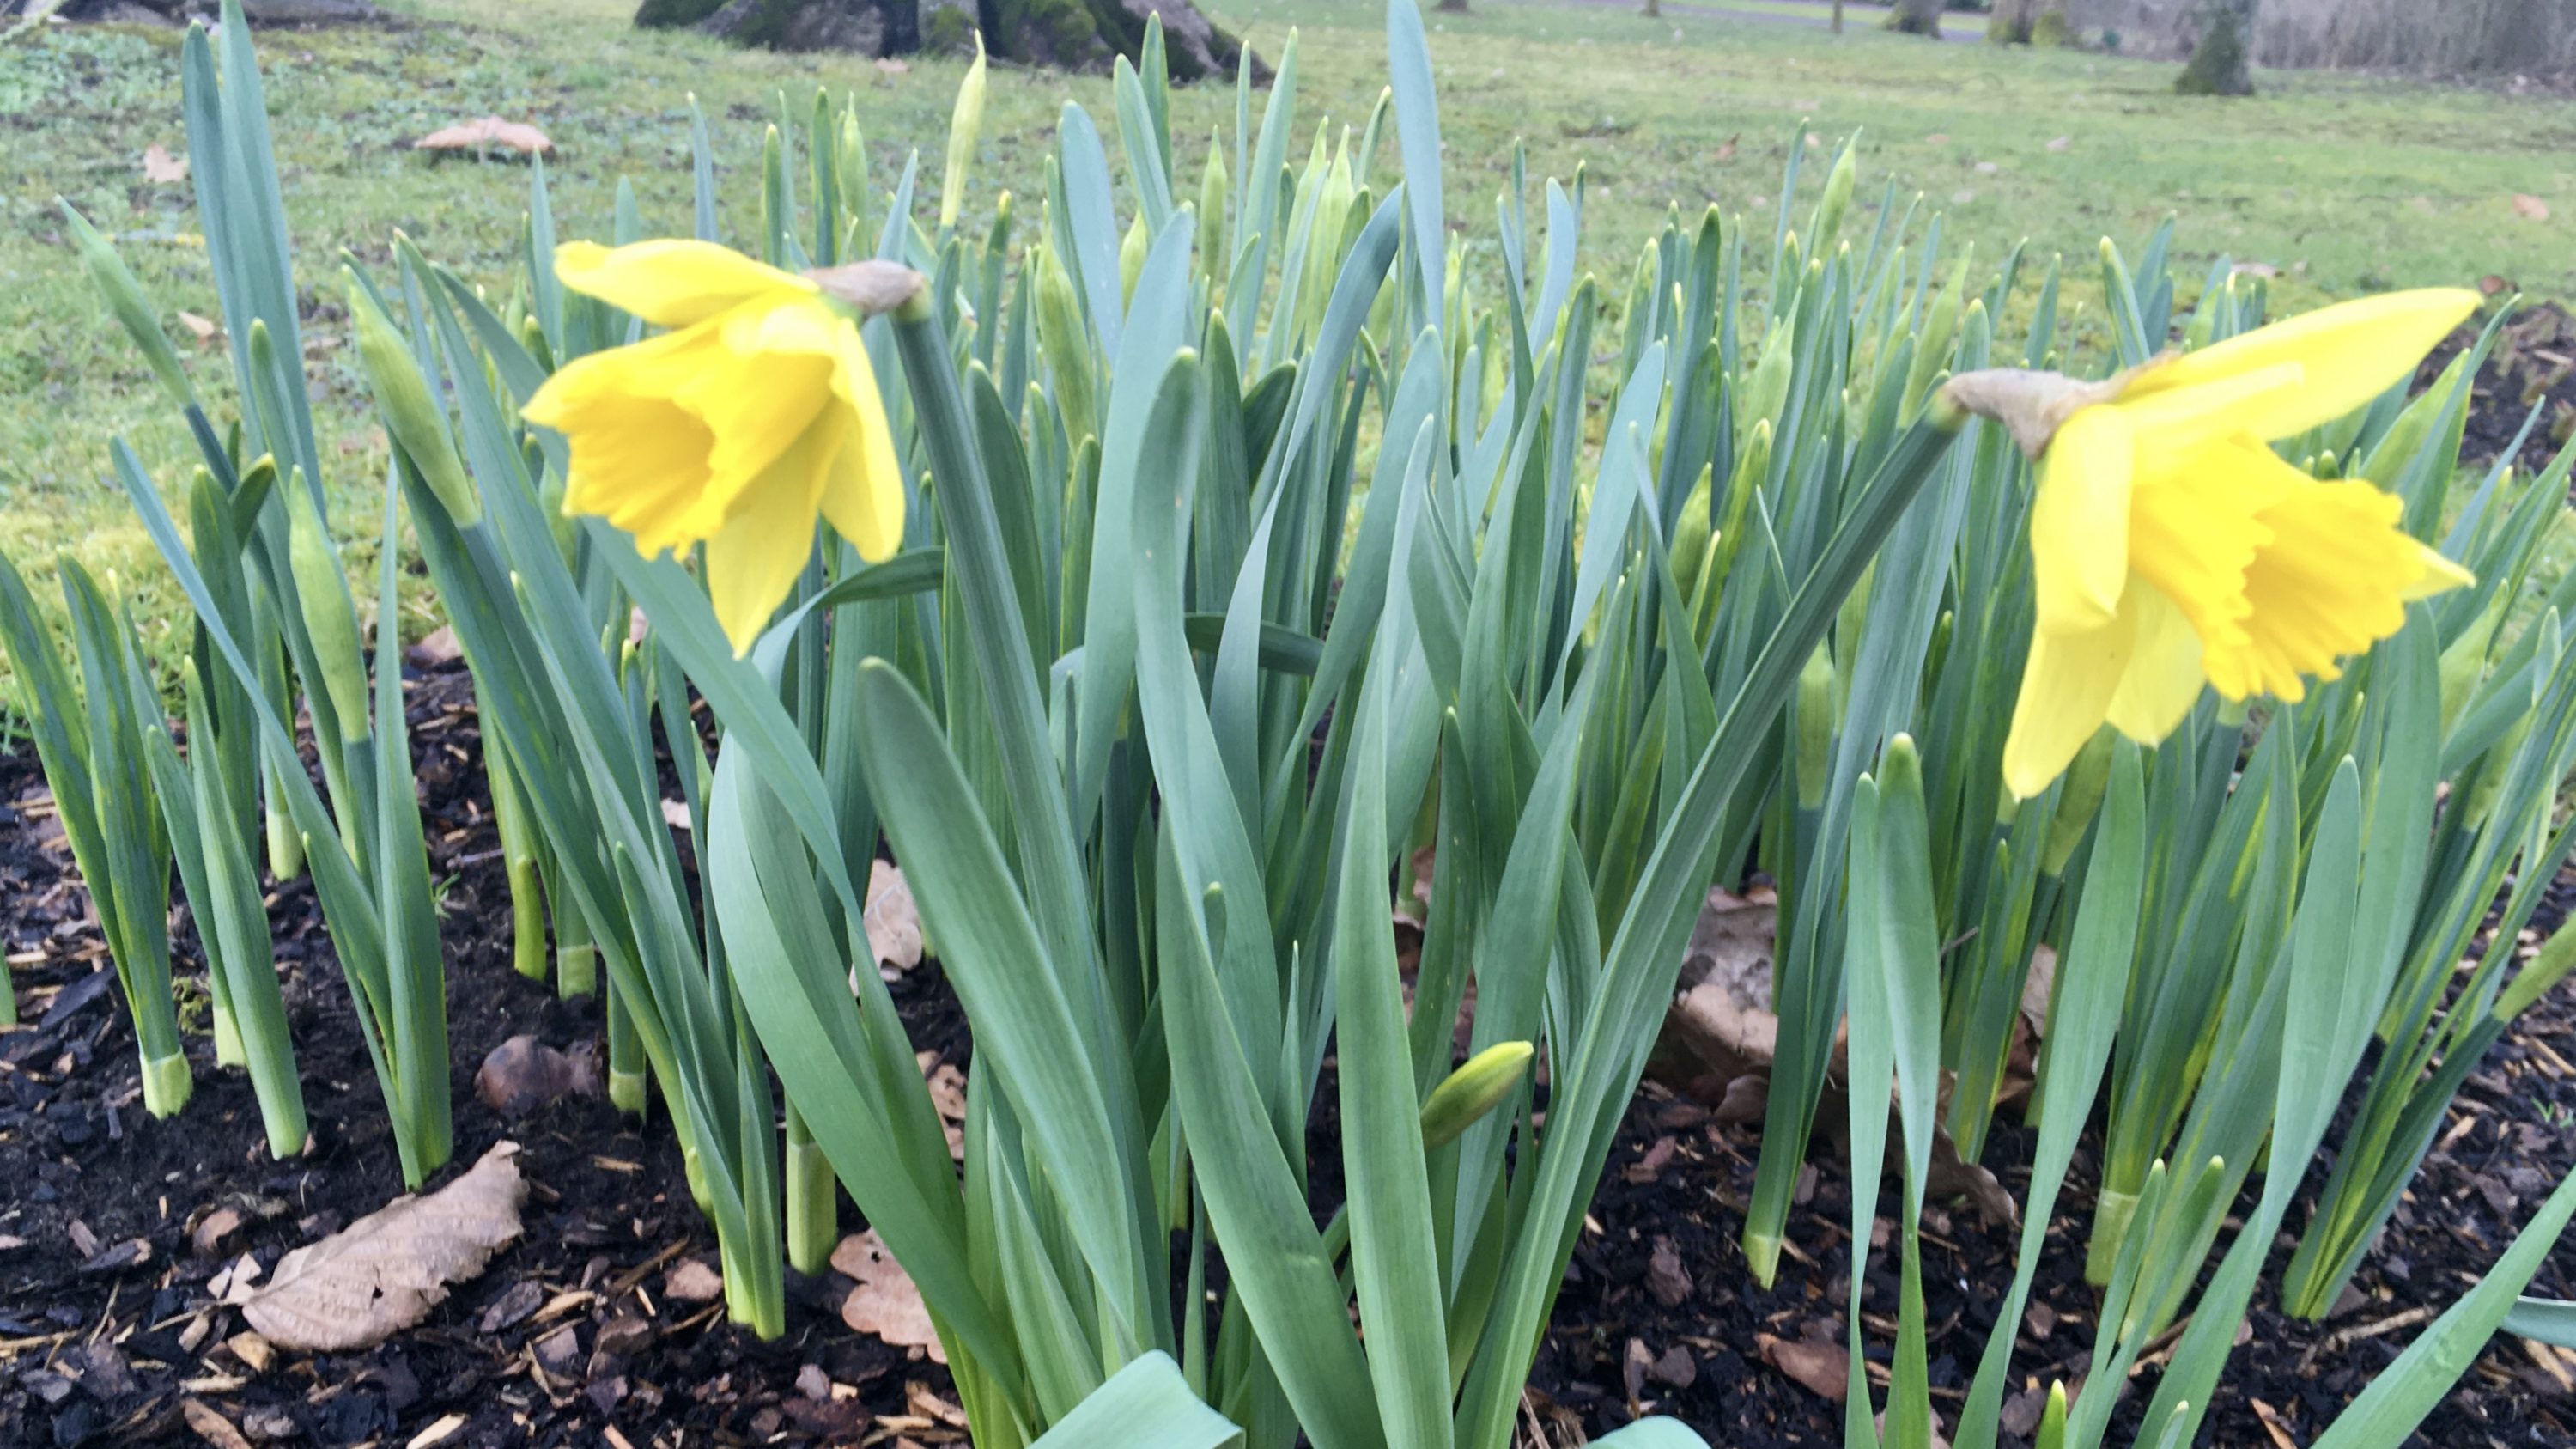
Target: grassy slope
2345, 184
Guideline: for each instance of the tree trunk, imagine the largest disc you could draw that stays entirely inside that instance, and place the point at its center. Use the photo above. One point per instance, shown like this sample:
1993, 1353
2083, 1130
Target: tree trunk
2220, 63
1654, 9
1455, 7
2009, 22
1916, 17
1838, 17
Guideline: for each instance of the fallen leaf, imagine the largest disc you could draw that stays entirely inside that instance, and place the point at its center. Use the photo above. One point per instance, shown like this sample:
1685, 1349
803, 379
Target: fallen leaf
2530, 208
884, 1302
211, 1230
384, 1272
948, 1098
486, 131
892, 66
2492, 285
893, 920
438, 646
691, 1281
159, 165
1726, 149
1823, 1368
202, 329
522, 1074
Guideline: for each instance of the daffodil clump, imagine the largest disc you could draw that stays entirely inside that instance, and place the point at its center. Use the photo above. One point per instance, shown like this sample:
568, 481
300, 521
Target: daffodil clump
2172, 548
755, 412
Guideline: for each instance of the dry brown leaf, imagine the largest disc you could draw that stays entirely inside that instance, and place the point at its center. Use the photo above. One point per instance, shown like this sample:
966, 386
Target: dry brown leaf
691, 1281
384, 1272
485, 132
438, 646
160, 166
1726, 149
211, 1426
1823, 1368
947, 1098
2530, 208
893, 921
198, 327
884, 1303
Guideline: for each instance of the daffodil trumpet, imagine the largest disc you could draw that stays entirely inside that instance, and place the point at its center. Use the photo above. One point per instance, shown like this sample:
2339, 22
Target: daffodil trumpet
752, 415
2172, 549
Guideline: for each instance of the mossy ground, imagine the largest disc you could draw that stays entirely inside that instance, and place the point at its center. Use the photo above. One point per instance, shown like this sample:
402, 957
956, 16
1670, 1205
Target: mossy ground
2344, 184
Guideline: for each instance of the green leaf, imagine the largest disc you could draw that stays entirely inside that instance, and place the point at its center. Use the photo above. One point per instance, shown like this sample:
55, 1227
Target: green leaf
1146, 1405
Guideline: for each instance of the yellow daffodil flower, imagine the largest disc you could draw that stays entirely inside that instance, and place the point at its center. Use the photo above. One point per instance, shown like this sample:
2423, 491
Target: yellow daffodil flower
753, 413
2172, 548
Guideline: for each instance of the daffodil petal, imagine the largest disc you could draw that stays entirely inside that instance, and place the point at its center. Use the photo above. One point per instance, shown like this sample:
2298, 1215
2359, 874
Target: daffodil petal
2172, 423
2066, 693
863, 493
2195, 531
2440, 577
2350, 353
639, 459
758, 398
670, 283
2079, 524
2164, 677
754, 559
2331, 583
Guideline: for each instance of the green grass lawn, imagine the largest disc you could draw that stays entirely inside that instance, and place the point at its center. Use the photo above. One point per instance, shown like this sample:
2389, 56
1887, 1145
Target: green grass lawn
2344, 184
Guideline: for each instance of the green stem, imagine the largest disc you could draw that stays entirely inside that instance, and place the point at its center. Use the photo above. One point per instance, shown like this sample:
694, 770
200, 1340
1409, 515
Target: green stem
166, 1084
227, 1032
285, 842
813, 1204
626, 1065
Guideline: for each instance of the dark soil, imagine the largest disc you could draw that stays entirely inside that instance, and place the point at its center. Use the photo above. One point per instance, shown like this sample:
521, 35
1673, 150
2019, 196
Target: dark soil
109, 1335
2533, 367
107, 1332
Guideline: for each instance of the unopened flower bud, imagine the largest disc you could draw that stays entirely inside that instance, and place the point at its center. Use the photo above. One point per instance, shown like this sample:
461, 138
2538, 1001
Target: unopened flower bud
1478, 1086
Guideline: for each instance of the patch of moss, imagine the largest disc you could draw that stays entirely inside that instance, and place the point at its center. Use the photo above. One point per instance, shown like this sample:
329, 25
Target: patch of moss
2051, 29
674, 14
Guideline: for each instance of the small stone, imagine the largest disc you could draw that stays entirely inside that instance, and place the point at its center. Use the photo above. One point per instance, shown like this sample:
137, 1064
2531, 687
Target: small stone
270, 1425
559, 1352
813, 1383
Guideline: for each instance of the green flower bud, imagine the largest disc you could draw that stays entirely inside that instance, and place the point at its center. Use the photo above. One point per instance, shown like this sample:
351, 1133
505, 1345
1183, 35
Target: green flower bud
330, 617
1691, 535
2052, 1420
1767, 392
964, 123
1816, 724
412, 414
1478, 1086
125, 298
1131, 258
2557, 956
1066, 341
1214, 189
1838, 193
